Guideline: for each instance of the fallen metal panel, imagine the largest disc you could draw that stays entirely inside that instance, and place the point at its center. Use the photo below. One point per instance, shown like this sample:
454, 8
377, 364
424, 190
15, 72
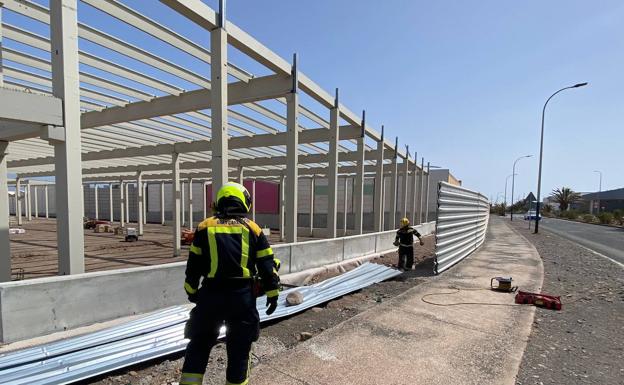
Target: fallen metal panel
141, 340
461, 224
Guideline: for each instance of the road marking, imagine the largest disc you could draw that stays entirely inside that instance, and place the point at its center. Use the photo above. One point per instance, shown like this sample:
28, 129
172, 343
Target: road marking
601, 255
561, 234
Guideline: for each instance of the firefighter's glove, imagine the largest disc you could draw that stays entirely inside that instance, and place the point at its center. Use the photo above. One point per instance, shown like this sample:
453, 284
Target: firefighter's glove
422, 243
271, 305
396, 243
193, 297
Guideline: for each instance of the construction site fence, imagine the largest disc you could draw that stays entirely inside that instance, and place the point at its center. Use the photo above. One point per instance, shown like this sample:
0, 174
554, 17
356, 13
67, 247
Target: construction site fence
461, 225
71, 301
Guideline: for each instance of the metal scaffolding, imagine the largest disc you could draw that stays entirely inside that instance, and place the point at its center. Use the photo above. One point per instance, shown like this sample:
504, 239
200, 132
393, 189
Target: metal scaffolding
85, 105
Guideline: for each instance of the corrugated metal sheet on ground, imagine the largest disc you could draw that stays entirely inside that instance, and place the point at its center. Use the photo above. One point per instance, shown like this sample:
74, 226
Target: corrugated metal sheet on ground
156, 335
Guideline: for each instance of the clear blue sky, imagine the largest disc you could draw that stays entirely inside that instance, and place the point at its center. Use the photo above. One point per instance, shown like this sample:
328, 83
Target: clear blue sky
461, 82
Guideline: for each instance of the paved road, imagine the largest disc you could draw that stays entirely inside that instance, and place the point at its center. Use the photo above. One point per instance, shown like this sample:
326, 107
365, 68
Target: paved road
605, 240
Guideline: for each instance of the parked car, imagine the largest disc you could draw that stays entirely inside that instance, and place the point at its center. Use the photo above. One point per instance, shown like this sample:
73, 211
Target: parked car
530, 216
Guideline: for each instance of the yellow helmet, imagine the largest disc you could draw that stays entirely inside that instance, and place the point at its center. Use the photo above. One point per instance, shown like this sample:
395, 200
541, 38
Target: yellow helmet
405, 222
233, 198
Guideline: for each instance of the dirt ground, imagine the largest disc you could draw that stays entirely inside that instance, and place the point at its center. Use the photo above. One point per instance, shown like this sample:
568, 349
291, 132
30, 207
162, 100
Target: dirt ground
284, 334
584, 342
34, 254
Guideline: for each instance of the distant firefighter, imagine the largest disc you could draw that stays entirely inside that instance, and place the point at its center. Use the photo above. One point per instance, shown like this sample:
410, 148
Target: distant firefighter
405, 240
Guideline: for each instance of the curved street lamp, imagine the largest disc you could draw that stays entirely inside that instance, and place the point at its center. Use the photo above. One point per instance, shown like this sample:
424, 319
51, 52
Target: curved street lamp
539, 174
506, 182
599, 189
513, 180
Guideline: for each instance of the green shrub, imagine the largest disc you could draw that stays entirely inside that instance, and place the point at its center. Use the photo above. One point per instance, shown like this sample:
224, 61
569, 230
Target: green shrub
588, 218
618, 216
569, 214
605, 218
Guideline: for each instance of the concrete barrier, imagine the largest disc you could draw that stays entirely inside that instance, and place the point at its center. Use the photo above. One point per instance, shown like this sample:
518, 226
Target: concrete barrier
41, 306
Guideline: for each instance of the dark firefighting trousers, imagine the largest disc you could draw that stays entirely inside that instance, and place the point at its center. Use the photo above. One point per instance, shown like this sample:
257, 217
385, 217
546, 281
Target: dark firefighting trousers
231, 305
406, 257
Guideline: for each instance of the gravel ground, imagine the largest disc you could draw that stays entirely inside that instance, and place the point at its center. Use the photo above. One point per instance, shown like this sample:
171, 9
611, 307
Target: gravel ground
286, 333
583, 343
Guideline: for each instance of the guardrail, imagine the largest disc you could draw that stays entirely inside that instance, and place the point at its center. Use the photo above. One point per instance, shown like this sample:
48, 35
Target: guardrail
462, 220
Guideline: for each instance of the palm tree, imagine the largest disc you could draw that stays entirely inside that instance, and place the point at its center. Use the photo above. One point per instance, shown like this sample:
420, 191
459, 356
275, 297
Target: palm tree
565, 197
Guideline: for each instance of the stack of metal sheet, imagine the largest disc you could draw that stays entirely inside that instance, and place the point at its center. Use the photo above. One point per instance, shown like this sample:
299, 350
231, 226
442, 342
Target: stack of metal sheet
157, 335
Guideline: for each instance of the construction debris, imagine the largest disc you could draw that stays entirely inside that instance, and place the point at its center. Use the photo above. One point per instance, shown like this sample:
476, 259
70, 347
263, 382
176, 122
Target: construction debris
293, 299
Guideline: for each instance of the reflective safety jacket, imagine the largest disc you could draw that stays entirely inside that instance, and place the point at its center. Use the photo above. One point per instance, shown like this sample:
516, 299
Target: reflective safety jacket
226, 249
405, 236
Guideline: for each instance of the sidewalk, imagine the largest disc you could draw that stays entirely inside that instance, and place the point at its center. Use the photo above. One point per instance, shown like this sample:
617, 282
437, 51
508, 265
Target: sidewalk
406, 341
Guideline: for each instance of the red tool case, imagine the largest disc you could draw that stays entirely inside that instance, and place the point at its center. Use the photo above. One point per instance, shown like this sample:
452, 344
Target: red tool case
541, 300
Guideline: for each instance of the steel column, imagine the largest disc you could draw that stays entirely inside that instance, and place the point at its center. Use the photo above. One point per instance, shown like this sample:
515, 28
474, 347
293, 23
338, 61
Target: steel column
5, 244
404, 191
204, 203
28, 202
144, 188
139, 189
421, 181
312, 185
111, 216
332, 169
282, 204
414, 189
162, 203
95, 198
219, 102
427, 201
253, 200
18, 200
47, 203
67, 153
183, 202
127, 203
345, 217
36, 200
358, 188
292, 158
175, 207
190, 203
379, 186
122, 204
393, 186
241, 175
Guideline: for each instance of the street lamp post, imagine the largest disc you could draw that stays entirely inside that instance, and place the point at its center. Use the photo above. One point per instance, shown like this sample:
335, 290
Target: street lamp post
599, 189
505, 199
513, 180
539, 174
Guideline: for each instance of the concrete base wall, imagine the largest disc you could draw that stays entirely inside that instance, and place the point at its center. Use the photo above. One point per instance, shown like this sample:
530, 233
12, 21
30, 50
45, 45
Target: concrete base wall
41, 306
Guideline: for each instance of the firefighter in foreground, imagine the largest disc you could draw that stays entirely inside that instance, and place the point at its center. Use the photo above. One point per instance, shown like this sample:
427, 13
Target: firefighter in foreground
228, 251
405, 240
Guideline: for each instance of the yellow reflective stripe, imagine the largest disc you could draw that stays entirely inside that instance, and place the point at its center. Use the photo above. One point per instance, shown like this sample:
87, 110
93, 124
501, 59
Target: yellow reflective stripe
245, 252
191, 379
272, 293
246, 382
196, 250
214, 255
189, 289
264, 252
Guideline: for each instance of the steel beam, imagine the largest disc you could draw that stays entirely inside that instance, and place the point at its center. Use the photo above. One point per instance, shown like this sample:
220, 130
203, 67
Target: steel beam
65, 86
30, 111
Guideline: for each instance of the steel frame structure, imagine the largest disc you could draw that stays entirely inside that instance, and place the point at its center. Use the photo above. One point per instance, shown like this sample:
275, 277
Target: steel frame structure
86, 106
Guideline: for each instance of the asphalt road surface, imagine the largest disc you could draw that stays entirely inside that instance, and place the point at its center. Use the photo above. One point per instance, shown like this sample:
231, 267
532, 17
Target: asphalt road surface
605, 240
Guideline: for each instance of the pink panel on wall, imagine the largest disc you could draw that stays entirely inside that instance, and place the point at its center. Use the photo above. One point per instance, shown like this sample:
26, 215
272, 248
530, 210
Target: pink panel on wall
267, 196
